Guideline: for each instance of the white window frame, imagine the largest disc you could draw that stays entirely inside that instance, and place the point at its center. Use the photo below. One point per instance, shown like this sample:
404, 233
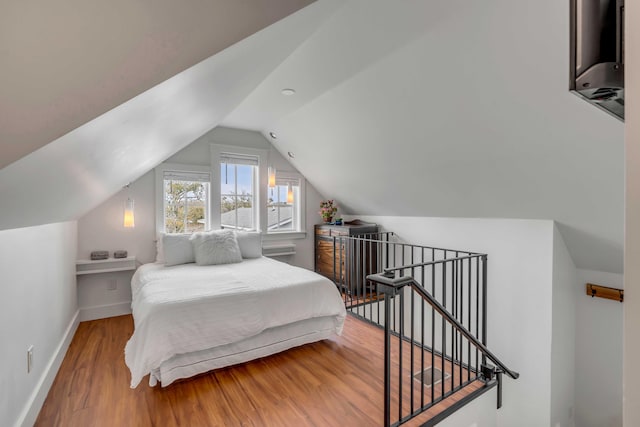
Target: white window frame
178, 167
218, 151
299, 210
237, 162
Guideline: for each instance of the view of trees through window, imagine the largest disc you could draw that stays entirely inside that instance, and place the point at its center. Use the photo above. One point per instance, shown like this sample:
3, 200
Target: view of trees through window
185, 206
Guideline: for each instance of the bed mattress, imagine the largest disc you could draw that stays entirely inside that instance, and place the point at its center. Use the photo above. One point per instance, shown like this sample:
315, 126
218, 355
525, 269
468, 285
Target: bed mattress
189, 319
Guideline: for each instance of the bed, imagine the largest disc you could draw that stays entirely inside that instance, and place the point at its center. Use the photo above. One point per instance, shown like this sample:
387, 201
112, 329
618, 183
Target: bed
190, 319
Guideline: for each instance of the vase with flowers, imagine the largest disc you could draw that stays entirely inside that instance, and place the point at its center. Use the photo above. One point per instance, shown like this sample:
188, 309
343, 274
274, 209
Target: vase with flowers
328, 209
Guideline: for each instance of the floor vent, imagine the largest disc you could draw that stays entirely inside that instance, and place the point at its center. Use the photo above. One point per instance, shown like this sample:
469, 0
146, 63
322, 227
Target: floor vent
437, 376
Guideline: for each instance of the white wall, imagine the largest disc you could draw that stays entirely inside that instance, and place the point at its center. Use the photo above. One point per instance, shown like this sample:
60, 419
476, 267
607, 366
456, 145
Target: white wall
472, 102
632, 221
481, 412
37, 307
520, 299
598, 353
102, 227
566, 284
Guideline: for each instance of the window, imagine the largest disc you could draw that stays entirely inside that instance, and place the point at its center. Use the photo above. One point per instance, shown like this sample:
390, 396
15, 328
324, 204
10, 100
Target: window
238, 184
243, 200
283, 207
184, 198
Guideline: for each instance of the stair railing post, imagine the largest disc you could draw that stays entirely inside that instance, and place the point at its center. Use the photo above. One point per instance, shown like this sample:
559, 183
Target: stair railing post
387, 359
388, 285
499, 378
484, 304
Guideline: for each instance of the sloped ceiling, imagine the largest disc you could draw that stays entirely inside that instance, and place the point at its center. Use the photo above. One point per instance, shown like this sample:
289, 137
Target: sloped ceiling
74, 173
413, 108
450, 109
66, 62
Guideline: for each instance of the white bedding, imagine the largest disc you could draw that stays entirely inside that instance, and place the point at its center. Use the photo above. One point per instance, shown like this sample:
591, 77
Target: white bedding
189, 308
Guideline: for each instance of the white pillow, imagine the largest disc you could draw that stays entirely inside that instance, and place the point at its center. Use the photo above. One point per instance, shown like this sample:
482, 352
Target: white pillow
216, 247
250, 243
177, 249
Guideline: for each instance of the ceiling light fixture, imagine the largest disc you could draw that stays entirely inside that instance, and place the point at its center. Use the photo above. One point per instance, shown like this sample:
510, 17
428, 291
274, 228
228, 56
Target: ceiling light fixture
273, 135
288, 92
290, 154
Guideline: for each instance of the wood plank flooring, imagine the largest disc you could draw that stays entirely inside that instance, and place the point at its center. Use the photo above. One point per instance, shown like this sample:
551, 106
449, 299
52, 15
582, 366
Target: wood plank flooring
334, 382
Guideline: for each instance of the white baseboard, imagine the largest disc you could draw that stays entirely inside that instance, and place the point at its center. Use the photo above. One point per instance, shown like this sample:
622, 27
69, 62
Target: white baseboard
36, 400
104, 311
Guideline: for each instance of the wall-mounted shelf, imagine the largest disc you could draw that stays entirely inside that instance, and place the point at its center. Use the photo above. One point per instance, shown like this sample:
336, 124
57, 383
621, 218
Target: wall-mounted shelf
605, 292
109, 265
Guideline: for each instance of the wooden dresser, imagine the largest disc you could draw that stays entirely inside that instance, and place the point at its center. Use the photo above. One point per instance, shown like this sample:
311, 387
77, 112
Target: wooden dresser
344, 261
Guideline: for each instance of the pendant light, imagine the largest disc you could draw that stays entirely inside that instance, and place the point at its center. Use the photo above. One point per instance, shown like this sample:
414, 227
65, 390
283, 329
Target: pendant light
272, 177
289, 194
129, 217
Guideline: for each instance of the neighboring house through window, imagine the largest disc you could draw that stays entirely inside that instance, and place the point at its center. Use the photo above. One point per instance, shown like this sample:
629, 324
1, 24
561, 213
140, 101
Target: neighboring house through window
237, 201
230, 193
238, 184
285, 202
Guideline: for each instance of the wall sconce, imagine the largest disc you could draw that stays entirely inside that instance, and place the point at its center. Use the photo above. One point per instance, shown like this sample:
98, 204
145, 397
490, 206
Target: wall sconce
289, 194
272, 177
129, 217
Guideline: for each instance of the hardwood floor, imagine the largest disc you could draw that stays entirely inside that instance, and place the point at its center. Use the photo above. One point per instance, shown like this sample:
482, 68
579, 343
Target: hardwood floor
334, 382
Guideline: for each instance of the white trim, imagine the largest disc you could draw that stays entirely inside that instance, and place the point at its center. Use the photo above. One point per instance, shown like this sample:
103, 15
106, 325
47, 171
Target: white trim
284, 235
284, 249
104, 311
165, 167
34, 404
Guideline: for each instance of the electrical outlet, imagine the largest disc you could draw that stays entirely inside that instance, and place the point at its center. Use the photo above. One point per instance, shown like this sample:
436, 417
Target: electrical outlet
112, 284
29, 359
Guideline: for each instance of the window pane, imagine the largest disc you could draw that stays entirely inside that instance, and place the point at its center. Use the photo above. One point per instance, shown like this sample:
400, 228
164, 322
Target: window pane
237, 212
245, 179
185, 206
281, 216
227, 178
237, 192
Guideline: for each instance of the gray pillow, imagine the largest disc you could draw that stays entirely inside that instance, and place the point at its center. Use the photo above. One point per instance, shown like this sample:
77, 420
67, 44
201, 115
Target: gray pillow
250, 243
215, 247
177, 249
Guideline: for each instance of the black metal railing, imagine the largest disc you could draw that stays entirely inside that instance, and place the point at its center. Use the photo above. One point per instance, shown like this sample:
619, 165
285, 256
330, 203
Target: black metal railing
458, 284
433, 307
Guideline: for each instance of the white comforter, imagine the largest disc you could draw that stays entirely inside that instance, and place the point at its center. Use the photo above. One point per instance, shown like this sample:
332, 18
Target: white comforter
188, 308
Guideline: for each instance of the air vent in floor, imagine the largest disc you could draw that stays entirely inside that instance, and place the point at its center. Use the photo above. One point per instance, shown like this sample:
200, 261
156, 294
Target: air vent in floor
437, 376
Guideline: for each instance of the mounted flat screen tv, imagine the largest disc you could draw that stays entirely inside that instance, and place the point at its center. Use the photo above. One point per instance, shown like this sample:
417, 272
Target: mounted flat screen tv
597, 53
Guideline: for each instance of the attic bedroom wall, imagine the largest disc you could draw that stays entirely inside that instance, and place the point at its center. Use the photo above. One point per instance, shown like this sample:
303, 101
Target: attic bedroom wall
102, 227
598, 338
38, 307
564, 298
473, 113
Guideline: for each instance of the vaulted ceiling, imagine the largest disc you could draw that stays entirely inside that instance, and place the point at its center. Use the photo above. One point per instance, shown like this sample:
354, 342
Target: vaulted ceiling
67, 62
421, 108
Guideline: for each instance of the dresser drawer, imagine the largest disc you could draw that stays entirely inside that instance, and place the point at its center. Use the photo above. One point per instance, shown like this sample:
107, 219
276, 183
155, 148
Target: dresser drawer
323, 232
